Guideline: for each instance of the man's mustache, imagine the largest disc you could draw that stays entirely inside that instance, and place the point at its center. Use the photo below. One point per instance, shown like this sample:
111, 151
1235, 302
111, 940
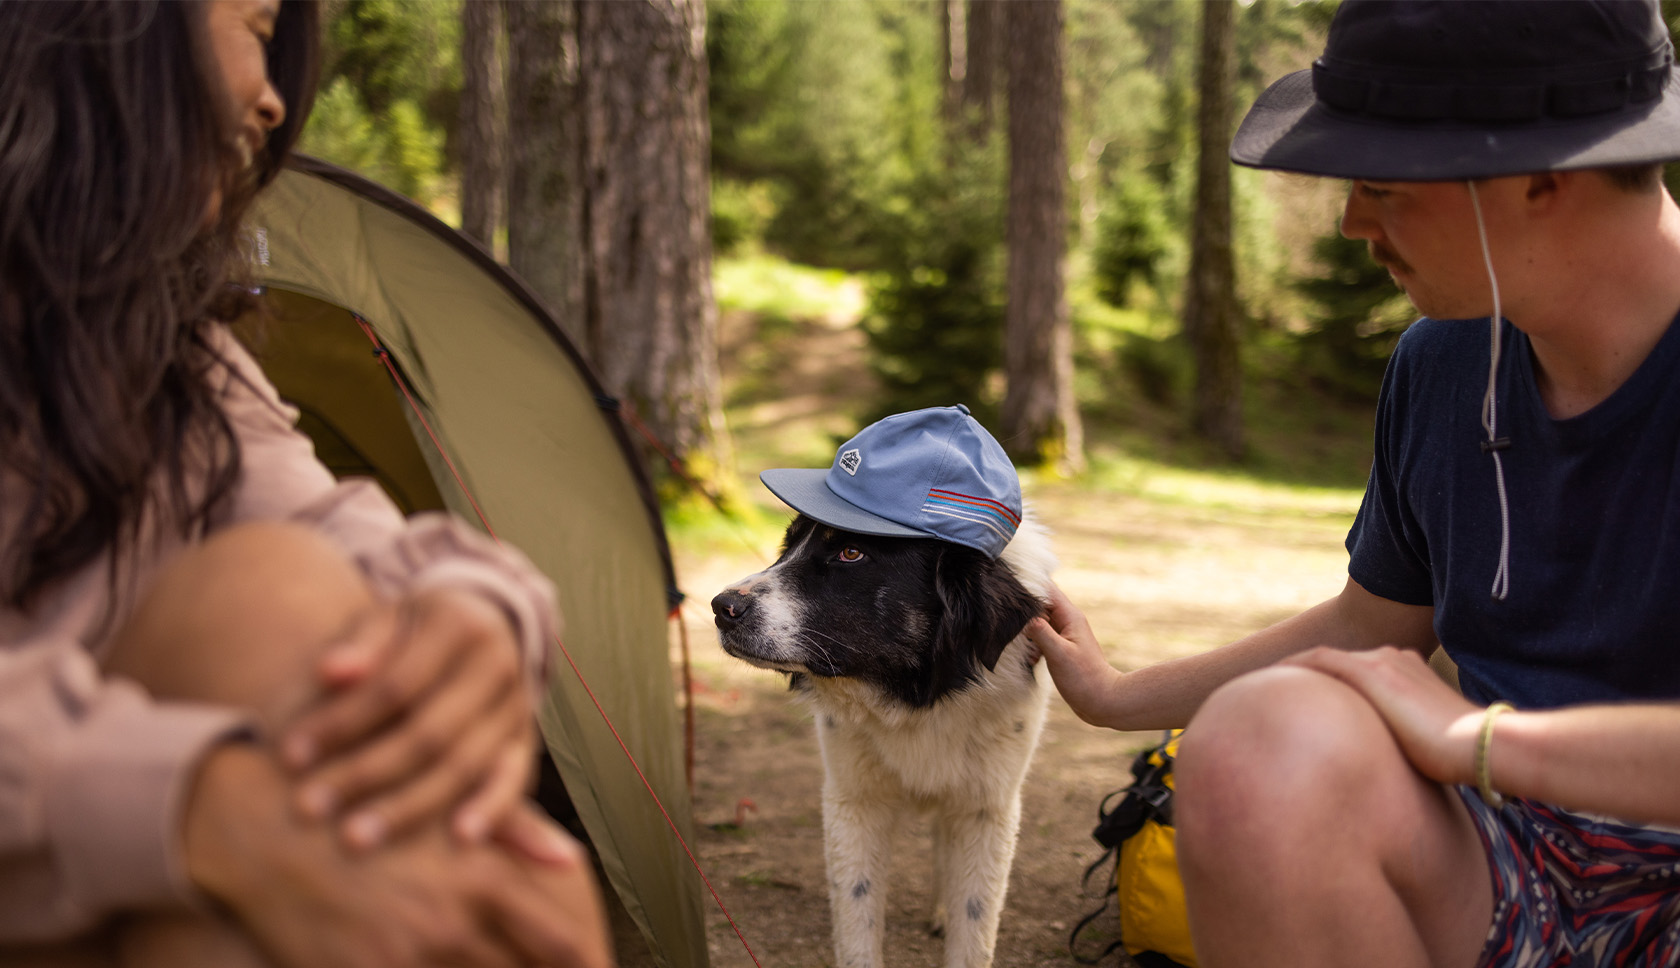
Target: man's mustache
1388, 258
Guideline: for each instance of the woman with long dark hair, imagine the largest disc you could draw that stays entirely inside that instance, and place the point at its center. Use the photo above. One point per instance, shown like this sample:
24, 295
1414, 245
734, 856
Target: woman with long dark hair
223, 675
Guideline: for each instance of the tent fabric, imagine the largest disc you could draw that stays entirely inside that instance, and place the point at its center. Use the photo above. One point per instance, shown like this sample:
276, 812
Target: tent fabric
520, 415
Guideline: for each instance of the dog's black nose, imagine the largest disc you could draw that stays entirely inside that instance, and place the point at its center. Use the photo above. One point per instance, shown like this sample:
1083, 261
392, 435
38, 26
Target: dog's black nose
729, 606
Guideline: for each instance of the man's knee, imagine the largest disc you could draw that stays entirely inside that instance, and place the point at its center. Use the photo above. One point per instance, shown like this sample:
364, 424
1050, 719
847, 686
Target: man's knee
1276, 748
241, 617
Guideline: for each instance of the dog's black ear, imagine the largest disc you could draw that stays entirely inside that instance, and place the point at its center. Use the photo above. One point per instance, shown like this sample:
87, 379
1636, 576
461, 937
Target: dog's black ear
985, 606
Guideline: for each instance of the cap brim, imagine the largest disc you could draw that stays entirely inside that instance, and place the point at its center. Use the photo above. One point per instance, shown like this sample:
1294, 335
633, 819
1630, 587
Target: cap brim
1287, 129
806, 490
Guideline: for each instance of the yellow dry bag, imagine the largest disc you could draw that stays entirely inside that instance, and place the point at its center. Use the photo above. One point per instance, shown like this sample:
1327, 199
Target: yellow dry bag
1154, 928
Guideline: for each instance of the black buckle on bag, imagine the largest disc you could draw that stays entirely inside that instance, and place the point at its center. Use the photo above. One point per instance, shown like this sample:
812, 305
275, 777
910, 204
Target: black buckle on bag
1160, 800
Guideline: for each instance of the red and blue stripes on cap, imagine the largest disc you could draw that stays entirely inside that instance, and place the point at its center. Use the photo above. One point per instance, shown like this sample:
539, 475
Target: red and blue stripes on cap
995, 515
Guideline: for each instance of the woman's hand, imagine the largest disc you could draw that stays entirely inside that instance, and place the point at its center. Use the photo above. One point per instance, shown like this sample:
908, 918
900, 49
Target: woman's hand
1077, 665
427, 901
425, 713
1434, 725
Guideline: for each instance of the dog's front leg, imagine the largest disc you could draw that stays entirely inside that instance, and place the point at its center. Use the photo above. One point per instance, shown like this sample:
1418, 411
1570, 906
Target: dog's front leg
857, 836
979, 847
941, 863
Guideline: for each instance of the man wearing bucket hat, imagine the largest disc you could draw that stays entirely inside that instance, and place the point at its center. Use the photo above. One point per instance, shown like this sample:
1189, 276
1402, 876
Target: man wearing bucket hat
1339, 805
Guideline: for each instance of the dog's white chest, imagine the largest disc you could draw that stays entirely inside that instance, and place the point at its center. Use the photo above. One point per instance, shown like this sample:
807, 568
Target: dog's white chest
971, 748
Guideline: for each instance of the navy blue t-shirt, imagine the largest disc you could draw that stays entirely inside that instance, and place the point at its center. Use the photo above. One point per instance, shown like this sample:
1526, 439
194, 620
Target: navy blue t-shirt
1593, 612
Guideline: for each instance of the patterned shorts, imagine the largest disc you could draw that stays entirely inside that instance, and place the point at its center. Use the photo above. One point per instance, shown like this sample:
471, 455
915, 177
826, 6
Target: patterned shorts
1570, 889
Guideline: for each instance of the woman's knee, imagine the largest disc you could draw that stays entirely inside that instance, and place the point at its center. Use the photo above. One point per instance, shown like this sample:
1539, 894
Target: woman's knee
241, 617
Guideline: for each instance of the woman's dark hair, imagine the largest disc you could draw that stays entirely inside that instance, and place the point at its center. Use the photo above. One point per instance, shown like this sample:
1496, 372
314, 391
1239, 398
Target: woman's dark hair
114, 264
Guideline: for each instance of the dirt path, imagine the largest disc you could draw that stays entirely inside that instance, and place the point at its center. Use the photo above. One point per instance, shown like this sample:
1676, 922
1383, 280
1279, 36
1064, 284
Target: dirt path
1158, 577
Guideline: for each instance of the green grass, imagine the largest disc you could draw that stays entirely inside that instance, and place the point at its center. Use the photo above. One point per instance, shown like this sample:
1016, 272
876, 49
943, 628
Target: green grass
1215, 489
773, 287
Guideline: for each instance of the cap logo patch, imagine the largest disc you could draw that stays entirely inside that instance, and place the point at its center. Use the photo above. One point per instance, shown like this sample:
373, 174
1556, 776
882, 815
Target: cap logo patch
849, 461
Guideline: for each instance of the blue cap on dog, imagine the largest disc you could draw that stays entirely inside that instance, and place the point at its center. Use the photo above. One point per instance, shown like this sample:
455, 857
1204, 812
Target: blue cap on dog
933, 473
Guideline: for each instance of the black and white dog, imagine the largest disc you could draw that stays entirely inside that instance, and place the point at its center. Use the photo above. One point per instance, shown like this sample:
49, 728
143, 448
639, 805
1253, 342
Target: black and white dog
924, 690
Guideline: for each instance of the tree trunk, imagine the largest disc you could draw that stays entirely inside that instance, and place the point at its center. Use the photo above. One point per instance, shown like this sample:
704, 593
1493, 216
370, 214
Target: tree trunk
1210, 304
650, 323
1040, 419
984, 49
544, 206
953, 54
482, 127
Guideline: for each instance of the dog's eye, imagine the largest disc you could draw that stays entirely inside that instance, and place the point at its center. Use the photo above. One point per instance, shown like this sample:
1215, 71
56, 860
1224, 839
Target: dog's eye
849, 555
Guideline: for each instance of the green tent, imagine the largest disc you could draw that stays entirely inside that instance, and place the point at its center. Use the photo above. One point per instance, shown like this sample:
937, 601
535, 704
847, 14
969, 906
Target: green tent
537, 443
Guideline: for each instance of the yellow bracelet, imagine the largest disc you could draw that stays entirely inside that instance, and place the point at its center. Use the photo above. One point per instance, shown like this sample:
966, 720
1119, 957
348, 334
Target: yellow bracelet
1484, 771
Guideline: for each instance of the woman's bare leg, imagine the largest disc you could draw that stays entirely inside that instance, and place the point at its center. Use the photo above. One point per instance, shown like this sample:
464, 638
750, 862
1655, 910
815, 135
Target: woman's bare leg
238, 620
241, 620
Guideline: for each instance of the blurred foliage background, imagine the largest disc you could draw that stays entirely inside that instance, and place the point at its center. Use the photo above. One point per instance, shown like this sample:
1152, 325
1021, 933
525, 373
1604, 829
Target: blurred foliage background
390, 93
828, 152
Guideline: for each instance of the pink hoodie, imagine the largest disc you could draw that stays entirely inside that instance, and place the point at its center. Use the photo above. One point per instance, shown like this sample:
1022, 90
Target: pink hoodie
92, 770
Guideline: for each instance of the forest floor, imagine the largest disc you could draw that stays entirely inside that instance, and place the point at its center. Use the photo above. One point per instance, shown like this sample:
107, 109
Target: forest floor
1166, 562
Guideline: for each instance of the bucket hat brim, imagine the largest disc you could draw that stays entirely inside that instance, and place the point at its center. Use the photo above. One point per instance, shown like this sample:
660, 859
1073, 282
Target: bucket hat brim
1288, 129
806, 490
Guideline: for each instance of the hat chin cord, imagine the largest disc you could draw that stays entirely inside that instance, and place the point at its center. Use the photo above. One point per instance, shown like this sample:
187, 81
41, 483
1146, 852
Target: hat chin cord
1490, 411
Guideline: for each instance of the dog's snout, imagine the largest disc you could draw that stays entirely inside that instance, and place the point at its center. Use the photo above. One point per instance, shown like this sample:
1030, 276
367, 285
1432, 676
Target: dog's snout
729, 606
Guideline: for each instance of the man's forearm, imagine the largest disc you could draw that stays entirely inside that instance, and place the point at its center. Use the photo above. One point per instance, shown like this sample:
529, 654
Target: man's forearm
1621, 761
1167, 695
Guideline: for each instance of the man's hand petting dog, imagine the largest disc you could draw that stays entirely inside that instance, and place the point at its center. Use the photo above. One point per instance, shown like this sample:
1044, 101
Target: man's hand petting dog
1076, 662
